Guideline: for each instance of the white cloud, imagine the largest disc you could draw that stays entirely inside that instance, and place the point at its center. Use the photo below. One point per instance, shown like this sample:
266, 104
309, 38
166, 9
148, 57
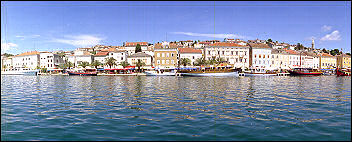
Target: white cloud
211, 35
80, 40
7, 46
335, 35
29, 36
326, 28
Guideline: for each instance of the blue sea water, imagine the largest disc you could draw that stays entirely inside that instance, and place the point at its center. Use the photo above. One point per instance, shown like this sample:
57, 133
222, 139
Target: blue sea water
175, 108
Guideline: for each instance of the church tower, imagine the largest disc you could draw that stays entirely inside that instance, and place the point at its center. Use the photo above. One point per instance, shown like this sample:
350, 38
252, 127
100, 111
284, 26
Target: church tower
312, 44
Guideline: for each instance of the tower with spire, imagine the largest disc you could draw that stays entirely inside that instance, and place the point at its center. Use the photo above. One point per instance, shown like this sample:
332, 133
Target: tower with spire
312, 44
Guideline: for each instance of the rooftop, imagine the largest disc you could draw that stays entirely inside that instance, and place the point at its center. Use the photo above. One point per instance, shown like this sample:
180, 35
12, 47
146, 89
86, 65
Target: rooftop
135, 43
226, 44
101, 54
258, 45
139, 54
189, 50
28, 53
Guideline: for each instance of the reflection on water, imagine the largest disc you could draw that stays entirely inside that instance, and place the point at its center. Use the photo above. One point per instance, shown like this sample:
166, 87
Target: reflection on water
175, 108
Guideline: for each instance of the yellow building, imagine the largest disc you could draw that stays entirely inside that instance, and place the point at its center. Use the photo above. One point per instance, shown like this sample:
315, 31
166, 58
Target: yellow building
165, 58
343, 61
327, 61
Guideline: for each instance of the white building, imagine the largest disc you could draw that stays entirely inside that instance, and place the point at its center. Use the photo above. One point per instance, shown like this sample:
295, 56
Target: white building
147, 59
101, 56
28, 59
234, 54
130, 47
7, 62
119, 56
260, 55
279, 59
50, 60
294, 59
190, 53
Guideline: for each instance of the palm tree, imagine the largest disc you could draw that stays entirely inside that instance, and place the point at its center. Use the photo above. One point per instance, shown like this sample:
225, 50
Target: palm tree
140, 64
95, 63
199, 62
219, 60
124, 64
110, 61
185, 61
84, 64
69, 64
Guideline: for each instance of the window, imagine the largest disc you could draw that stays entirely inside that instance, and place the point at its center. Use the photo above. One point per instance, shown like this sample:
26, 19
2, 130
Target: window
231, 52
121, 58
259, 61
167, 54
158, 55
208, 52
172, 62
255, 55
236, 52
172, 54
192, 57
272, 56
162, 61
245, 52
272, 62
158, 61
236, 59
223, 52
260, 56
162, 55
167, 61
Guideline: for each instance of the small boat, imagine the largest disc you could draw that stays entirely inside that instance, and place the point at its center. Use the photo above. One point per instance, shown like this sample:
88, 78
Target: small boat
210, 71
305, 71
259, 72
84, 72
20, 71
160, 73
343, 72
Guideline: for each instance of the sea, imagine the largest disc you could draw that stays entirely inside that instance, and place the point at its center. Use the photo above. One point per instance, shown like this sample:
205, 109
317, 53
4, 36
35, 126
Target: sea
99, 108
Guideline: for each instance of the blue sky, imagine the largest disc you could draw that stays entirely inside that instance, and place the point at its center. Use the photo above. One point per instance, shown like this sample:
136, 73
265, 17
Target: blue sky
51, 26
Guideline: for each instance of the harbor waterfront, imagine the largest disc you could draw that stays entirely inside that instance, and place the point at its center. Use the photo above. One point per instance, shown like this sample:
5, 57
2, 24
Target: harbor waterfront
175, 108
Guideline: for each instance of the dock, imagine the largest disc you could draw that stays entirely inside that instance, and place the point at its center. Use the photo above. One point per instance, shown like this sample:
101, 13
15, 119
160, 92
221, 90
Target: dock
282, 74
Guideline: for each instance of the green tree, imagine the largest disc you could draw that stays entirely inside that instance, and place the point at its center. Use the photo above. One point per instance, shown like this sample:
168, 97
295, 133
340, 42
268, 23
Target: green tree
110, 61
348, 54
200, 61
138, 48
185, 61
335, 52
94, 52
219, 60
61, 54
140, 64
95, 64
124, 64
299, 46
84, 64
270, 40
43, 70
325, 51
7, 54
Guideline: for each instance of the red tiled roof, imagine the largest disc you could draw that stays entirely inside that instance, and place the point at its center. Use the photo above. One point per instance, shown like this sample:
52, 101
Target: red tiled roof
292, 52
28, 53
101, 54
135, 43
226, 44
258, 45
189, 50
203, 42
326, 55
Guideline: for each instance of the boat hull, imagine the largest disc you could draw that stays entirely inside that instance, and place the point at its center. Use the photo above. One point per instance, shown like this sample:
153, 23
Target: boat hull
342, 73
82, 74
211, 74
260, 74
304, 73
20, 73
159, 74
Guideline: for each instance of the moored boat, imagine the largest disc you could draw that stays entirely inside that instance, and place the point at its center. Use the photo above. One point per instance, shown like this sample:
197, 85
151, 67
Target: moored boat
160, 73
84, 72
20, 71
209, 71
305, 71
259, 72
343, 72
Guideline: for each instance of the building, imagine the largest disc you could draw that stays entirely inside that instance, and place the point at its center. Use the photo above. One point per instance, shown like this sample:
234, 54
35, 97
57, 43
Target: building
29, 59
259, 55
50, 60
257, 41
80, 57
165, 57
294, 58
130, 47
101, 57
235, 54
119, 56
201, 44
190, 53
279, 59
343, 61
147, 59
6, 62
327, 61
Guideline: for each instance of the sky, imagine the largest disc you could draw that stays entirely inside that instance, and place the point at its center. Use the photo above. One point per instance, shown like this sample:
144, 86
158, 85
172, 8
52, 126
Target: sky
67, 25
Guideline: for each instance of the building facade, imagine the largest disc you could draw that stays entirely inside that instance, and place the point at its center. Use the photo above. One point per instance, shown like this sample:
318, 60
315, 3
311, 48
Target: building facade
235, 54
190, 53
28, 59
165, 58
50, 60
343, 61
147, 59
260, 55
327, 61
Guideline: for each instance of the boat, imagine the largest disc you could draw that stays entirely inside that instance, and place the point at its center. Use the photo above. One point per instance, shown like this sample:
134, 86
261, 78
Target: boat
160, 73
304, 71
209, 71
20, 71
84, 72
343, 72
259, 72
